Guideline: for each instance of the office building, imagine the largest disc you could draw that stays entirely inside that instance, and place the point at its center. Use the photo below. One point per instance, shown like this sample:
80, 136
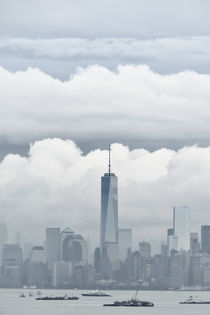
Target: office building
52, 246
125, 243
194, 243
205, 239
38, 271
12, 262
73, 246
172, 241
145, 250
109, 219
181, 226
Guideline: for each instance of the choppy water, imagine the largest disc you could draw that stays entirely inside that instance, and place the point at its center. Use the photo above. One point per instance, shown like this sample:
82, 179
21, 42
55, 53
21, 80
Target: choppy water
166, 303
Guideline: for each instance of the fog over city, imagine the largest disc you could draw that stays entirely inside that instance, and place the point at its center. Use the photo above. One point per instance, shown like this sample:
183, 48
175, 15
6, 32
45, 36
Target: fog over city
78, 75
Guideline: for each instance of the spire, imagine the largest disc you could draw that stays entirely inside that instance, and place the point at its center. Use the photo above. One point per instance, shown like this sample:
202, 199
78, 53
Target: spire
109, 159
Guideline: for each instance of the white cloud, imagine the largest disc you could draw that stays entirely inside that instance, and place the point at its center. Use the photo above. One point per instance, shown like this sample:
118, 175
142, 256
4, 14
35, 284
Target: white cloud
95, 104
58, 186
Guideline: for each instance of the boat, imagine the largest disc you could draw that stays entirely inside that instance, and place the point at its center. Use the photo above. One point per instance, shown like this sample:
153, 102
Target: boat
194, 300
57, 298
21, 294
95, 293
133, 302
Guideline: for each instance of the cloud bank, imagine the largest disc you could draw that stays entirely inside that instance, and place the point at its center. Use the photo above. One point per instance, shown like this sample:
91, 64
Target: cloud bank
56, 185
95, 103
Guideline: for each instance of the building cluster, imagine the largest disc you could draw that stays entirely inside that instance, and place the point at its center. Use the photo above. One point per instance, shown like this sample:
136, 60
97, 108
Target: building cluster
63, 260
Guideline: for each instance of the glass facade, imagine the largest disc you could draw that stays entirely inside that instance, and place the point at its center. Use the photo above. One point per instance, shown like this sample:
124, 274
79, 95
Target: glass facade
181, 222
109, 217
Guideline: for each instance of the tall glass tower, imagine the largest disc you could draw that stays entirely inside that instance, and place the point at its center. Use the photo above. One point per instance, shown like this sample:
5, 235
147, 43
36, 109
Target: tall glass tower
109, 218
181, 226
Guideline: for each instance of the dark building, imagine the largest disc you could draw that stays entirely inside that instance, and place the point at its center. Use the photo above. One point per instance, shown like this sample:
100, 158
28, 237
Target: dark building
205, 239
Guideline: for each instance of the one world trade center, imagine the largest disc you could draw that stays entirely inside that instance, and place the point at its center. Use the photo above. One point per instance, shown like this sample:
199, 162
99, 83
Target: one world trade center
109, 220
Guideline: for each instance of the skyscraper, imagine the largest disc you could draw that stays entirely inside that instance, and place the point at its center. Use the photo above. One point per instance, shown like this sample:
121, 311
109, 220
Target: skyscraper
181, 226
52, 246
125, 243
109, 218
205, 239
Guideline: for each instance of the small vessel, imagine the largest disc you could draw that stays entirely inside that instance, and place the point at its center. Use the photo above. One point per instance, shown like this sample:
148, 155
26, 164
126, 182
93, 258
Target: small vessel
194, 300
21, 294
131, 303
57, 298
95, 293
134, 302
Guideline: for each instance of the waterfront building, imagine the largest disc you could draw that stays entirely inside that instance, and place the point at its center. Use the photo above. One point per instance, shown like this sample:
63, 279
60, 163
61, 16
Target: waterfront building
109, 243
11, 269
38, 271
181, 226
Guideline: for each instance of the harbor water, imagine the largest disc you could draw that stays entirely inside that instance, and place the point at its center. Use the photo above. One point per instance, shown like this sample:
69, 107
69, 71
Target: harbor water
166, 303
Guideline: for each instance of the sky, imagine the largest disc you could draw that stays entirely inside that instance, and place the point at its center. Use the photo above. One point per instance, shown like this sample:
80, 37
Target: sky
77, 75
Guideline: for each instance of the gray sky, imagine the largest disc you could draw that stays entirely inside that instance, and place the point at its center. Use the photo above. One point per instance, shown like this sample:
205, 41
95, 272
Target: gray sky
135, 72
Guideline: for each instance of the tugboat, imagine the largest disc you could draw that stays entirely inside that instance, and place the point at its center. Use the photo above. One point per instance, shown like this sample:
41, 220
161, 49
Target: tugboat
95, 293
134, 302
194, 300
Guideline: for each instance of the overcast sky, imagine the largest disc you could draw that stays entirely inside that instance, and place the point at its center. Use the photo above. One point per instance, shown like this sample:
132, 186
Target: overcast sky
135, 72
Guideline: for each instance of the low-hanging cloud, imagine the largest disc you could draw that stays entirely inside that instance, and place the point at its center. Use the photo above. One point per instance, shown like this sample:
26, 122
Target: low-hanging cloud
95, 103
56, 185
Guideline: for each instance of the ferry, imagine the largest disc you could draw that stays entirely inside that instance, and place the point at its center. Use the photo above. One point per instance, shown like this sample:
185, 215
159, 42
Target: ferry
95, 293
194, 300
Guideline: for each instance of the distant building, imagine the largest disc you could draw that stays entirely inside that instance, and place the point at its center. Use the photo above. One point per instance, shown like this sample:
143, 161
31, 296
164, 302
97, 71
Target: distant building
18, 238
205, 239
12, 262
27, 250
109, 222
194, 243
73, 246
3, 239
62, 272
38, 271
52, 246
125, 243
145, 249
181, 226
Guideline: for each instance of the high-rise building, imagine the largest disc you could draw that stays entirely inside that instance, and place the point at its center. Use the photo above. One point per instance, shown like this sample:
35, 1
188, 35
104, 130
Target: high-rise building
73, 246
194, 243
11, 270
52, 246
205, 239
181, 226
172, 241
125, 243
109, 219
38, 272
3, 239
145, 249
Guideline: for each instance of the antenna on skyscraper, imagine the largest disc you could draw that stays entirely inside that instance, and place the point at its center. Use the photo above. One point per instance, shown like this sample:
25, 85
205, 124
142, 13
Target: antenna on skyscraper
109, 159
